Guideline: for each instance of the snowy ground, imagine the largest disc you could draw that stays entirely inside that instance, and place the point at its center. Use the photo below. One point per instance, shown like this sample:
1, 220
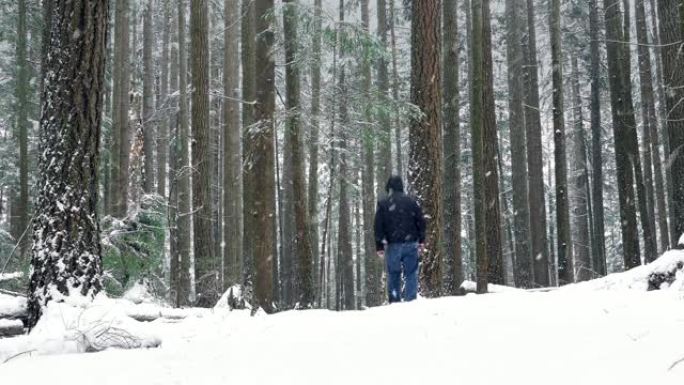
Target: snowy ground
607, 331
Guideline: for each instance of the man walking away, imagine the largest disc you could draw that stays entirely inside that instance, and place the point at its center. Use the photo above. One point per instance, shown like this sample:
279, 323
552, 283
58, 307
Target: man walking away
399, 233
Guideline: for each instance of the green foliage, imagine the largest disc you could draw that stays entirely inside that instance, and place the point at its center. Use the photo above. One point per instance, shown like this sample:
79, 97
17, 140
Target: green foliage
133, 248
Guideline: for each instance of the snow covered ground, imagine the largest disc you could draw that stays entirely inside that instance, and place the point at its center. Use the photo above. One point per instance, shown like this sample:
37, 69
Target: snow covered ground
608, 331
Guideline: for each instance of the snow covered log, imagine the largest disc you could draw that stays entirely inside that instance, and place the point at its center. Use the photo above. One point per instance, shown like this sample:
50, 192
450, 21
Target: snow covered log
11, 328
12, 307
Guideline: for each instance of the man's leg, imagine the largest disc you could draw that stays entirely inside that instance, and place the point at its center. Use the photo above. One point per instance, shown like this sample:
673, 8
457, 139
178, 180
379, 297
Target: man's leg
393, 259
410, 262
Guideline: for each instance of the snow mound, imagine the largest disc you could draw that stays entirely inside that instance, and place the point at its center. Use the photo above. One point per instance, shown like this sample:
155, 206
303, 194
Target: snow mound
10, 276
12, 306
72, 327
139, 293
471, 287
235, 298
665, 273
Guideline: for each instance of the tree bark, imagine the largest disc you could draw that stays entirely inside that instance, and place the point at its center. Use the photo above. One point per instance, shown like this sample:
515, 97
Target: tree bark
395, 94
452, 149
535, 163
149, 123
384, 134
425, 152
67, 224
314, 139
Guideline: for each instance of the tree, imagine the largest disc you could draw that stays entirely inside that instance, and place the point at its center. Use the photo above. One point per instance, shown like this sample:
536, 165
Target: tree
206, 272
521, 206
302, 247
621, 124
183, 166
385, 132
262, 205
232, 156
314, 134
66, 224
579, 193
671, 34
535, 163
452, 148
425, 152
564, 241
598, 242
20, 208
148, 115
163, 102
121, 136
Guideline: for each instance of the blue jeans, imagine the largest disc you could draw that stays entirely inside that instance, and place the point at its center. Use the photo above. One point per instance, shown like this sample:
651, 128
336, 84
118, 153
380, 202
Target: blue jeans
402, 258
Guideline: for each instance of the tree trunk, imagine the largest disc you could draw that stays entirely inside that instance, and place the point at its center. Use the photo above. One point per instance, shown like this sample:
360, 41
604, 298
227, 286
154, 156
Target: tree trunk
395, 94
262, 207
425, 152
232, 157
625, 177
303, 248
384, 134
149, 123
174, 162
565, 260
452, 149
670, 31
535, 163
516, 95
314, 139
599, 241
183, 166
67, 224
163, 104
477, 126
579, 196
249, 149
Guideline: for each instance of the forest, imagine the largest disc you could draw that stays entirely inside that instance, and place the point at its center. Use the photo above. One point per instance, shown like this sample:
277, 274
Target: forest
197, 146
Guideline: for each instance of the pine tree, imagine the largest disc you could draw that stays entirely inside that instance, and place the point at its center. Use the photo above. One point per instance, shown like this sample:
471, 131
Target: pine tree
67, 224
425, 153
148, 115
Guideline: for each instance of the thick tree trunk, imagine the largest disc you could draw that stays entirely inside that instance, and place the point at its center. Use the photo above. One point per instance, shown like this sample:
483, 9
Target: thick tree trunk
565, 260
174, 162
384, 133
452, 149
671, 35
21, 94
535, 163
232, 156
314, 139
579, 193
163, 104
620, 110
395, 94
262, 207
425, 152
183, 166
148, 115
598, 241
516, 96
67, 224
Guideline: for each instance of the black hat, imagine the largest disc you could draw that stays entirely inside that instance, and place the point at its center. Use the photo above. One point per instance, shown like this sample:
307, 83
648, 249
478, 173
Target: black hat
395, 184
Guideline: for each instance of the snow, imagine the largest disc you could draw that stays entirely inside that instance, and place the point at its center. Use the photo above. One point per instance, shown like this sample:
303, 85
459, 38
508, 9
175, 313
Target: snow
10, 276
11, 306
681, 240
10, 323
607, 331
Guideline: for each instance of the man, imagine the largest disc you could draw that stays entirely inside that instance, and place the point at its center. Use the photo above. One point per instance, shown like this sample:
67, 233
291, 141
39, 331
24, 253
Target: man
399, 237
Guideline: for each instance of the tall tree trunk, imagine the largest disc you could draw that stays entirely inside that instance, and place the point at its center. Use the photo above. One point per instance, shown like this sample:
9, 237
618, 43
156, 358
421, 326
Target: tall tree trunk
425, 152
395, 93
163, 104
598, 241
535, 163
262, 206
618, 81
516, 96
21, 94
314, 138
578, 194
304, 295
373, 268
565, 260
452, 149
206, 272
249, 149
232, 156
174, 162
384, 134
477, 127
671, 35
67, 221
149, 123
493, 230
183, 166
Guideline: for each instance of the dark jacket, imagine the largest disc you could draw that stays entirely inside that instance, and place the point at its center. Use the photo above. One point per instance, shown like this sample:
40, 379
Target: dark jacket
399, 218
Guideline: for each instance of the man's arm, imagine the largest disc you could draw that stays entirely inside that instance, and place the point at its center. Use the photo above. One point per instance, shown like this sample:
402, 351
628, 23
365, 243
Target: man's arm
379, 229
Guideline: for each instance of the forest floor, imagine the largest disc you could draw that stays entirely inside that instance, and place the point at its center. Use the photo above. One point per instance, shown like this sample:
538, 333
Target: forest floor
608, 331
